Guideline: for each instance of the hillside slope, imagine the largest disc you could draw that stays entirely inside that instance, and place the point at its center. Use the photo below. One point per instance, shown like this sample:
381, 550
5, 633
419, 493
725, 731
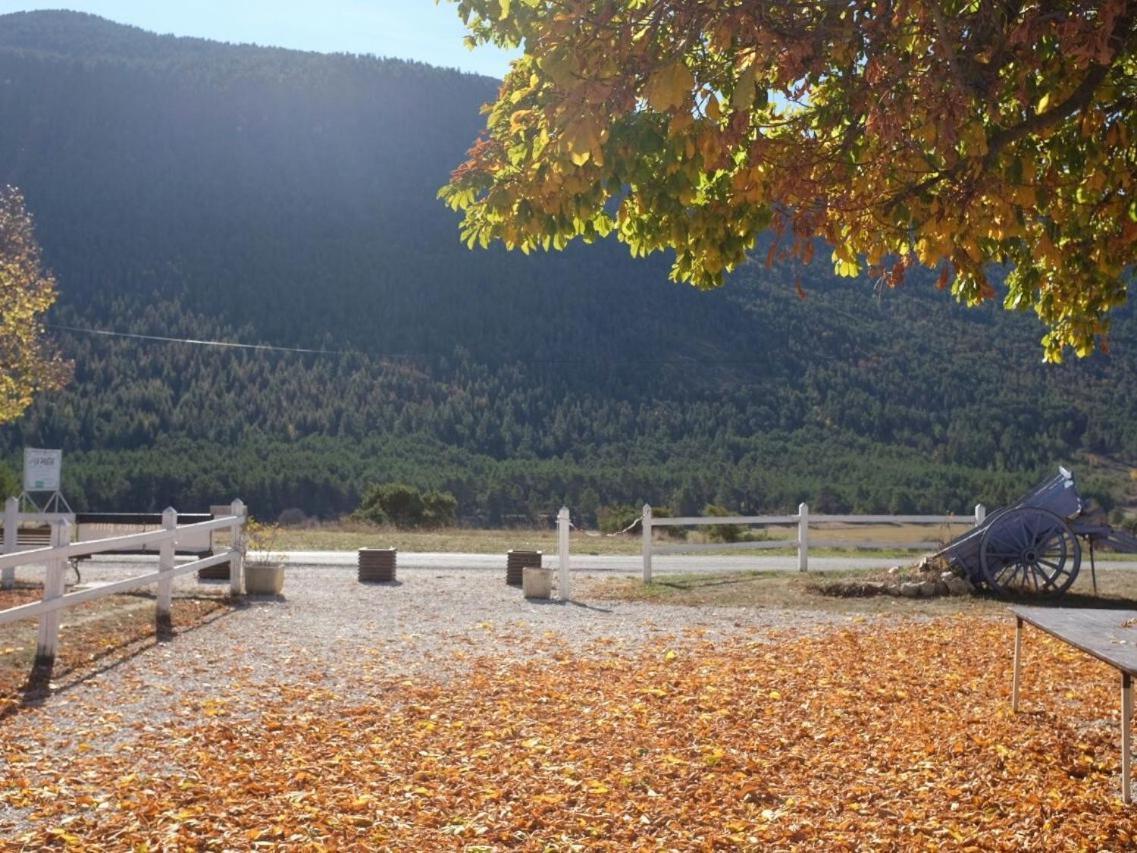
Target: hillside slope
188, 189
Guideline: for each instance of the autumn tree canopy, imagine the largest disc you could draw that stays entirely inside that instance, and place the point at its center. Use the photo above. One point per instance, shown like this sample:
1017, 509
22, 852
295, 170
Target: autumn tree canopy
952, 134
27, 290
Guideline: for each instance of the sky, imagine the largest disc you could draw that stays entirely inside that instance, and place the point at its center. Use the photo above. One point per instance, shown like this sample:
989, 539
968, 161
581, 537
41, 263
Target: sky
406, 29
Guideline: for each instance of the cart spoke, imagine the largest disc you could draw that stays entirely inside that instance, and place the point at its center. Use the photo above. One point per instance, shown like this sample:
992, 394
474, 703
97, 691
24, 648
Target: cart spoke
1048, 578
1003, 553
1035, 530
1008, 580
1025, 536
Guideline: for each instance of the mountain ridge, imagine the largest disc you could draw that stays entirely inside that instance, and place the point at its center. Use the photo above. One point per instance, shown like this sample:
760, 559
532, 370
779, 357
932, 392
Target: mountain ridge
288, 198
63, 32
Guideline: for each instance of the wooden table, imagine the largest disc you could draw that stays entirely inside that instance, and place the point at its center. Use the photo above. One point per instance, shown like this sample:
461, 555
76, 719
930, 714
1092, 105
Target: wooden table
1108, 635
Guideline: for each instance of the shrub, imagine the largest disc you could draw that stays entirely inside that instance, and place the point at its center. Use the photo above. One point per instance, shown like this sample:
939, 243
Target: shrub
405, 506
292, 517
616, 517
438, 509
722, 532
260, 543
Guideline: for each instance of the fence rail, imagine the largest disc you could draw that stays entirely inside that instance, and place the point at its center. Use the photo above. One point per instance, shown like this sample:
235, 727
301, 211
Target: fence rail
61, 550
803, 520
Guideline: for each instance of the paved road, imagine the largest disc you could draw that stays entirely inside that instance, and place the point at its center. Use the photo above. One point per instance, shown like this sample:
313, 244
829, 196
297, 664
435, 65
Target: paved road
632, 565
619, 565
629, 565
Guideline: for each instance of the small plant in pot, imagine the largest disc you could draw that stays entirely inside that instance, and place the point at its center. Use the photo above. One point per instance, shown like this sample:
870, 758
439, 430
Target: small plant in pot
264, 565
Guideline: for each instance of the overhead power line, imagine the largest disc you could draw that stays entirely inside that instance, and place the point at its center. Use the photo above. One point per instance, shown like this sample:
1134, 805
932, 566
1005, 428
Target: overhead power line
194, 341
414, 357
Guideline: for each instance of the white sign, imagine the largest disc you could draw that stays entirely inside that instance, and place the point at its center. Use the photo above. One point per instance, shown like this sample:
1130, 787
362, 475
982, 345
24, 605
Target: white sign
42, 469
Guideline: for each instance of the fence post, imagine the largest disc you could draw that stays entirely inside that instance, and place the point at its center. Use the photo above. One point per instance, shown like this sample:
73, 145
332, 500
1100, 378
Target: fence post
564, 584
645, 523
11, 534
165, 570
236, 542
803, 537
52, 588
980, 514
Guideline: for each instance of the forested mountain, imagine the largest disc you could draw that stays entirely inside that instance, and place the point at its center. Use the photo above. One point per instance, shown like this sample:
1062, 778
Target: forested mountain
189, 189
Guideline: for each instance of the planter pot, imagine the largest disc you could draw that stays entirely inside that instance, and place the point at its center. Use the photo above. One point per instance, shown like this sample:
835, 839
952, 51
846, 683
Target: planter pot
263, 580
377, 565
516, 561
537, 583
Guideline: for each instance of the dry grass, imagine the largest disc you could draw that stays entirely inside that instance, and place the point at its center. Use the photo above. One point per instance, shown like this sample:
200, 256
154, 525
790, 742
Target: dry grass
796, 591
350, 536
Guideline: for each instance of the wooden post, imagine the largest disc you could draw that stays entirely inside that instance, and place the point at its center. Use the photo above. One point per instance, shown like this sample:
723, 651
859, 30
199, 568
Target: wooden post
980, 514
48, 640
166, 569
1126, 736
236, 542
11, 534
645, 523
564, 583
1016, 678
803, 537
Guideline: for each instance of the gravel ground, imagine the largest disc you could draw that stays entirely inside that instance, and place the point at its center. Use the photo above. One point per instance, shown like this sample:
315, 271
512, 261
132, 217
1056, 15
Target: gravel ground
427, 625
334, 642
325, 620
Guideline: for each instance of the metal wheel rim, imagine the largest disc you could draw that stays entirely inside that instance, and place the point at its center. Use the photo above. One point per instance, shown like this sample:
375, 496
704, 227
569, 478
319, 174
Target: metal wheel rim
1030, 550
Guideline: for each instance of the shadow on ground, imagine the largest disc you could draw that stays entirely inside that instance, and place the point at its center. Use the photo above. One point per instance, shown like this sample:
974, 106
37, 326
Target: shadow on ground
42, 681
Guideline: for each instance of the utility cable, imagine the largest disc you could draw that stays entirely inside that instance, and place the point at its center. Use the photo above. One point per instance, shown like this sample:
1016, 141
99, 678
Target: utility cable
194, 341
672, 360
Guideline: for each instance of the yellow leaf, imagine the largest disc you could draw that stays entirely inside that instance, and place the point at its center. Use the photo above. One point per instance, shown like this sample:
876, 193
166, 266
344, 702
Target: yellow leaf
669, 87
743, 97
582, 139
714, 113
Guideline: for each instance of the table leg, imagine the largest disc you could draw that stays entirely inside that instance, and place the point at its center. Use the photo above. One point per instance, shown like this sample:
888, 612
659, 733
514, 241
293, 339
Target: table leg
1018, 664
1126, 734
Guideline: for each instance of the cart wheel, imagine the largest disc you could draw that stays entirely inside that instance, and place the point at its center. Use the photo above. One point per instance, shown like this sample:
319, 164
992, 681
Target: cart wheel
1029, 549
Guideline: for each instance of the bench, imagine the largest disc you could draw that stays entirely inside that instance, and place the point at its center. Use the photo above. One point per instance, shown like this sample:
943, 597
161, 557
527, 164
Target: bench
105, 525
33, 537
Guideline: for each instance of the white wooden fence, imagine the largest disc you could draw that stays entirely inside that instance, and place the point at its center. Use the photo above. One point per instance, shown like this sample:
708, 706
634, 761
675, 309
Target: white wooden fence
802, 543
55, 557
17, 539
26, 530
